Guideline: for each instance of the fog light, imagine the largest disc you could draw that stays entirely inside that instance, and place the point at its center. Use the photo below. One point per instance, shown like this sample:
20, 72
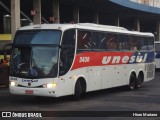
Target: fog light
51, 85
12, 83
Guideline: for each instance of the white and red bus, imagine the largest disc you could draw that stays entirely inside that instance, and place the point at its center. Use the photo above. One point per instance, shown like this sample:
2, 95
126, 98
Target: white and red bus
70, 59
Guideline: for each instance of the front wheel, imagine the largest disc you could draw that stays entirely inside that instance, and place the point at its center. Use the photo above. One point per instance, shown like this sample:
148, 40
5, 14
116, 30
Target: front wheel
132, 82
77, 90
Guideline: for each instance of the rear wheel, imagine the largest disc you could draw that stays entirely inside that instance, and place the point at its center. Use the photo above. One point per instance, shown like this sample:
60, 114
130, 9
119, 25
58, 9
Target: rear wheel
139, 81
132, 82
77, 90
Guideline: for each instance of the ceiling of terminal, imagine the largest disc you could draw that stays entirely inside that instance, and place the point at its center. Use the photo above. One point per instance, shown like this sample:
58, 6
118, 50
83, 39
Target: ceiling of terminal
104, 6
108, 11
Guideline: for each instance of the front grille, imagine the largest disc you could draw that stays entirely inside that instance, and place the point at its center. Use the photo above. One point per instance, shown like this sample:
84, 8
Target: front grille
41, 86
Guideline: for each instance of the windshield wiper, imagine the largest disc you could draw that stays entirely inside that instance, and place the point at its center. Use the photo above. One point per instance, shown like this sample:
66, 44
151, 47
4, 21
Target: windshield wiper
19, 65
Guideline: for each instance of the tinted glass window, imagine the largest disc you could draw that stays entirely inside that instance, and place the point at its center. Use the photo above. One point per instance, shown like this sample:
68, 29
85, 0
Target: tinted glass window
98, 40
38, 37
133, 43
150, 43
142, 43
84, 40
67, 51
123, 42
111, 42
69, 38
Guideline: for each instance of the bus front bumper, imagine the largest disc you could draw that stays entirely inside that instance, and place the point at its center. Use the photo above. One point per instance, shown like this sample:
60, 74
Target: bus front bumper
48, 92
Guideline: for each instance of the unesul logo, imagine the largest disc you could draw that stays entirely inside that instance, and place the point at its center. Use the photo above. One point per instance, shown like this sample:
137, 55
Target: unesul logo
123, 59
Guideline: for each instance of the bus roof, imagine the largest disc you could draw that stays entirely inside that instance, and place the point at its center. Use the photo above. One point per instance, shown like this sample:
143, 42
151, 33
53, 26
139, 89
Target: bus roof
88, 26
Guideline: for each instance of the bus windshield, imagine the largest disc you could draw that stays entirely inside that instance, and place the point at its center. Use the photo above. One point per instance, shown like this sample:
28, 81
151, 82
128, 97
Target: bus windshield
34, 62
35, 54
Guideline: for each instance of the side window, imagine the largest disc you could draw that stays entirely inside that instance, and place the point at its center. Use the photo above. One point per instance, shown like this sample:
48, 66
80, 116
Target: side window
123, 42
150, 43
142, 43
69, 38
67, 51
98, 40
111, 42
133, 43
84, 40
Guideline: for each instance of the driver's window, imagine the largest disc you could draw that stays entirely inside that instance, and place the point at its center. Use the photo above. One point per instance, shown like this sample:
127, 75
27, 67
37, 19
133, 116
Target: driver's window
67, 51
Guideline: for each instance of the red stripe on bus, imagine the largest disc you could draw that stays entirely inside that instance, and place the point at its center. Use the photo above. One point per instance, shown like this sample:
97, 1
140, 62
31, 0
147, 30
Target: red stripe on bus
88, 59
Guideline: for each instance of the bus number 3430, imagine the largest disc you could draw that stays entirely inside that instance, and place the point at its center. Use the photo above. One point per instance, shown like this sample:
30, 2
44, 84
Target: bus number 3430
84, 59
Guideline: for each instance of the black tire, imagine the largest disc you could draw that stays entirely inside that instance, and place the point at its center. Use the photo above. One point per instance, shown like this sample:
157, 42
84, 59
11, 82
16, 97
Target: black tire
139, 81
132, 82
77, 91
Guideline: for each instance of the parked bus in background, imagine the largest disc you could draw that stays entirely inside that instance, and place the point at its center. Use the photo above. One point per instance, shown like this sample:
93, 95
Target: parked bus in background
157, 54
71, 59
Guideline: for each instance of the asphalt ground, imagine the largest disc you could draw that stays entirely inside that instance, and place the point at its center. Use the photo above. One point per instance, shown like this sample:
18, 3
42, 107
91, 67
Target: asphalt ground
109, 101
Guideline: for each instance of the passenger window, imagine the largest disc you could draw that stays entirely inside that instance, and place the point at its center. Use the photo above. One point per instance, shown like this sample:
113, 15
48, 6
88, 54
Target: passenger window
111, 42
150, 43
133, 43
123, 42
142, 43
84, 40
98, 40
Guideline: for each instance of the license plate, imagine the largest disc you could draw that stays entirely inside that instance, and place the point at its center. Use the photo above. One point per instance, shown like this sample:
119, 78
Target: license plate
29, 92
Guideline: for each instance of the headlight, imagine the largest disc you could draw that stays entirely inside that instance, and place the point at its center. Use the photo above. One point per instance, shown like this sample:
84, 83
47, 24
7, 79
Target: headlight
51, 85
12, 83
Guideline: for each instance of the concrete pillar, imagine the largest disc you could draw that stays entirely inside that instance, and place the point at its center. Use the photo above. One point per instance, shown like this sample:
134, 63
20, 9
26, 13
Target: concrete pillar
96, 18
37, 9
15, 16
158, 31
137, 24
76, 15
7, 24
117, 22
56, 11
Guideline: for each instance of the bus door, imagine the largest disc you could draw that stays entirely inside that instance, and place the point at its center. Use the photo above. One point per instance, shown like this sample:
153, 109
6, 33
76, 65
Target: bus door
67, 53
